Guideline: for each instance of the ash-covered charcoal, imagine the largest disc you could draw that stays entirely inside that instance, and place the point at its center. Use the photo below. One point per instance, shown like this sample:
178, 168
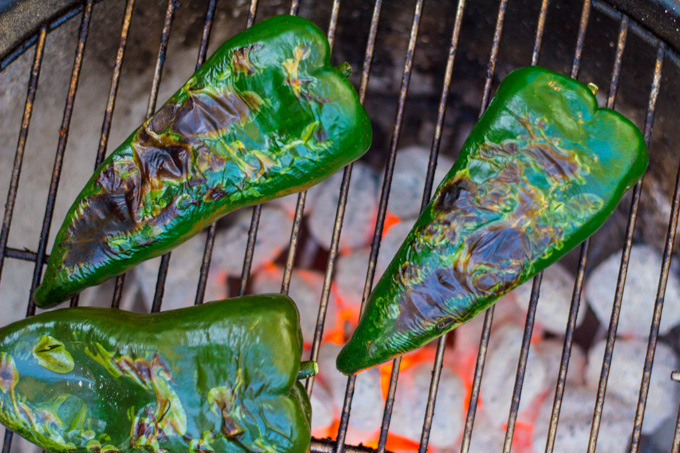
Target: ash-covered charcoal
486, 436
324, 412
467, 335
573, 430
305, 290
273, 236
360, 212
552, 311
368, 403
639, 295
411, 399
182, 279
391, 242
550, 353
625, 375
499, 375
350, 277
14, 290
408, 180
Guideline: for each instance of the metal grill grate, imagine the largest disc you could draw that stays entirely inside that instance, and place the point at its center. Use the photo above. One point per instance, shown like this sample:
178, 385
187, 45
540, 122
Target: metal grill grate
338, 445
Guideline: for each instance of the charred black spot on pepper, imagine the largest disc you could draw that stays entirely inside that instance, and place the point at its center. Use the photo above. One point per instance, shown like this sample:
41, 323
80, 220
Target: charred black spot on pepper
445, 323
209, 113
449, 196
162, 119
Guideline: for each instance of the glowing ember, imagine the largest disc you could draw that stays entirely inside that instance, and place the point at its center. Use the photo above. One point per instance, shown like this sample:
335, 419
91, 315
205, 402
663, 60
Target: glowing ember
390, 221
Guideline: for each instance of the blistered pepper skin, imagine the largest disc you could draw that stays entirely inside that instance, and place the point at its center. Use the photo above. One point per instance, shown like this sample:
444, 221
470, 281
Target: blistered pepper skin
217, 377
542, 170
265, 116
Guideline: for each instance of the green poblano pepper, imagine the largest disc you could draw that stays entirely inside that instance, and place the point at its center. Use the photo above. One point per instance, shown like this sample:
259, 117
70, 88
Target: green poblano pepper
542, 170
222, 376
265, 116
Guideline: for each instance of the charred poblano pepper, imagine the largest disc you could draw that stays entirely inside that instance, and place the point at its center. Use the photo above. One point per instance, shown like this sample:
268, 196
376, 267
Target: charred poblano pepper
541, 171
218, 377
265, 116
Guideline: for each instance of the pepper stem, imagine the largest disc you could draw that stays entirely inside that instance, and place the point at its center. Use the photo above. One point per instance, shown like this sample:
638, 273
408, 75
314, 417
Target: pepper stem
308, 369
593, 88
345, 69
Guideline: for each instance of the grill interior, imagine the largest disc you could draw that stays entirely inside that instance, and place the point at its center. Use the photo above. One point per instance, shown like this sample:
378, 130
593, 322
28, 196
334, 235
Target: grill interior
411, 61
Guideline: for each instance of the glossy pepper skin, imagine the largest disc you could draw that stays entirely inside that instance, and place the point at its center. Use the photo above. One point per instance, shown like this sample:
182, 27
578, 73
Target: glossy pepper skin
265, 116
542, 170
217, 377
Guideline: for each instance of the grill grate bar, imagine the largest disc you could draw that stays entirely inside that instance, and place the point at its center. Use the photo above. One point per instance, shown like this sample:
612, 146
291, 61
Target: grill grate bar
207, 254
382, 210
113, 91
205, 264
205, 37
61, 148
540, 28
165, 260
661, 292
56, 173
583, 259
153, 97
210, 239
583, 27
250, 249
106, 125
295, 5
522, 362
151, 106
342, 202
566, 348
302, 196
294, 237
25, 255
535, 292
299, 211
377, 237
329, 446
427, 193
578, 284
676, 437
477, 381
16, 170
21, 146
488, 316
616, 309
